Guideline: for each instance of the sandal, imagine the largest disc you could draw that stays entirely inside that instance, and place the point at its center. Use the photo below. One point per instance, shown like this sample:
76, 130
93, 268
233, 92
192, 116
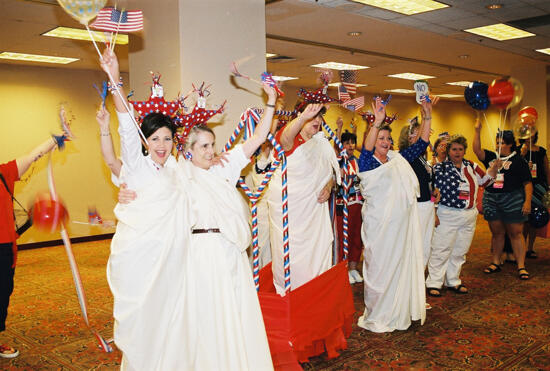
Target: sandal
523, 275
432, 291
531, 254
492, 268
8, 352
460, 289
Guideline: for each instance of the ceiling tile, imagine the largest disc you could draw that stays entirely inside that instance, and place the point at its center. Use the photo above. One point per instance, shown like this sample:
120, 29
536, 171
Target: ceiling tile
441, 15
465, 23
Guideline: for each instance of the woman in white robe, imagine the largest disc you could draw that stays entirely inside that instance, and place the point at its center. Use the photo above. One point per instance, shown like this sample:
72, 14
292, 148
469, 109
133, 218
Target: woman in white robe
311, 167
393, 271
148, 252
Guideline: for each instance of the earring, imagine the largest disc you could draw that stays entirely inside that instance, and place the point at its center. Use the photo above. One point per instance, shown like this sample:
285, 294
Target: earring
188, 155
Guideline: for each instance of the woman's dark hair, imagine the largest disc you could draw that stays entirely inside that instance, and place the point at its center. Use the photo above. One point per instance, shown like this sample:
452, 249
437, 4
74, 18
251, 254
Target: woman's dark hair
458, 139
346, 136
385, 127
154, 121
508, 138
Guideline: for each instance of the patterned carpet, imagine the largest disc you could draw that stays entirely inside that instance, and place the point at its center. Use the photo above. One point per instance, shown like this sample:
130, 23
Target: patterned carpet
503, 323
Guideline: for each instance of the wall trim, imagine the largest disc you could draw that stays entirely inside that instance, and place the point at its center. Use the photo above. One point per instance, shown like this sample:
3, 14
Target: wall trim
38, 245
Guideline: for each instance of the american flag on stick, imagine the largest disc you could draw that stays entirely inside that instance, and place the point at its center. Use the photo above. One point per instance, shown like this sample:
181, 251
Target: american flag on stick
113, 20
354, 104
343, 94
349, 80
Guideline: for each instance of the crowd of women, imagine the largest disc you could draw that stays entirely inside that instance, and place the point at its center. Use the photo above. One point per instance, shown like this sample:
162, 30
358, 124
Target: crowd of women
181, 220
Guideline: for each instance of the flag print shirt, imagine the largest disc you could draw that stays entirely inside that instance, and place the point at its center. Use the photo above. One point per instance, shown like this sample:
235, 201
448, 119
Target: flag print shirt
459, 187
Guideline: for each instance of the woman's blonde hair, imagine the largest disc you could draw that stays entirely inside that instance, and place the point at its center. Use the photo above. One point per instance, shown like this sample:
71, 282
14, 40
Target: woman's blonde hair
192, 136
407, 130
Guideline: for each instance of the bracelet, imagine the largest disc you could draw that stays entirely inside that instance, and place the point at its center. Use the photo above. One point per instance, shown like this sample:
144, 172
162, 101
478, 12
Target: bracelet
270, 105
428, 118
112, 88
105, 134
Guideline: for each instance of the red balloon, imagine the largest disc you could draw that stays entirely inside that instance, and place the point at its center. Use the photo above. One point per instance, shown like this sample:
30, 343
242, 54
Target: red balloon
48, 214
501, 93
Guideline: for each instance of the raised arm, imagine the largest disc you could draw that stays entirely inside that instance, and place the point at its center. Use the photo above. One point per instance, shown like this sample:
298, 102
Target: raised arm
25, 161
379, 110
339, 126
109, 64
260, 134
480, 153
106, 141
293, 128
426, 125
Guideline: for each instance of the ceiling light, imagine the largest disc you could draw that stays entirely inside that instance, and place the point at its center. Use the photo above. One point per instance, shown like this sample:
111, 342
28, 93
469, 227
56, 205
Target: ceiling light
545, 51
337, 84
450, 95
459, 83
500, 32
411, 76
407, 7
270, 55
354, 33
494, 6
464, 56
36, 58
78, 34
284, 78
405, 91
339, 66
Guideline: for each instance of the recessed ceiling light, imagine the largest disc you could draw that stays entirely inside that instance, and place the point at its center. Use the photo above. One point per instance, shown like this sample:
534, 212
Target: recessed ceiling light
494, 6
270, 55
407, 7
337, 84
339, 66
464, 56
450, 95
411, 76
459, 83
36, 58
545, 51
284, 78
405, 91
355, 33
500, 32
78, 34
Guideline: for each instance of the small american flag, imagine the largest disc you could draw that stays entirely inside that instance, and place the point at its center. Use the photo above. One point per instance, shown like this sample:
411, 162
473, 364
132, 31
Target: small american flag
113, 20
343, 94
354, 104
349, 80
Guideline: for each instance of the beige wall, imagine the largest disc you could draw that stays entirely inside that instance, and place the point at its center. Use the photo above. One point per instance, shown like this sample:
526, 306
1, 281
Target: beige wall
30, 99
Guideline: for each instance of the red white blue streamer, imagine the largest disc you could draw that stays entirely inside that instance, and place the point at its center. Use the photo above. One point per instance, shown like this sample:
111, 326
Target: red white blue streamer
280, 159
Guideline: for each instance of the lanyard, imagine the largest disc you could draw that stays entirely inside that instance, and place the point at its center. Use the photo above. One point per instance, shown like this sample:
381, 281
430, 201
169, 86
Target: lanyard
504, 159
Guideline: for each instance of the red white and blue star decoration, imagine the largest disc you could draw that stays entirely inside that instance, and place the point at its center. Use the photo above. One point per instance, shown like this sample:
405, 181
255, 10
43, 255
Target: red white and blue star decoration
317, 96
199, 115
156, 102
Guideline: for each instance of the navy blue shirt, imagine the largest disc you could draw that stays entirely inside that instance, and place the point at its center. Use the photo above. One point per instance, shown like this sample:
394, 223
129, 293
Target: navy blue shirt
368, 162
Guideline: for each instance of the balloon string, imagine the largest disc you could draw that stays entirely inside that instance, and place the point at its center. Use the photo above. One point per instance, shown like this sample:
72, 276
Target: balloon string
489, 130
114, 84
499, 133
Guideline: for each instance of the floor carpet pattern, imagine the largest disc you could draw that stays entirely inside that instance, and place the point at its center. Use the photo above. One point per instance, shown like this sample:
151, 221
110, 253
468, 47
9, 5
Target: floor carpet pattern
503, 323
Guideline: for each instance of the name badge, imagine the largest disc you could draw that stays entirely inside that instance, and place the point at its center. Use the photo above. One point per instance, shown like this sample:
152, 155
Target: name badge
499, 181
533, 170
463, 191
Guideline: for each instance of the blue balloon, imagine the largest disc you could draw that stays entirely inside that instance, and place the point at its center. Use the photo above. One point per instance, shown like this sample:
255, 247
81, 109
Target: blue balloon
539, 217
476, 95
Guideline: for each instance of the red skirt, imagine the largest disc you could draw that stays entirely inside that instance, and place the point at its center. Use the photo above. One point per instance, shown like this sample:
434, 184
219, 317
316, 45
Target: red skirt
314, 318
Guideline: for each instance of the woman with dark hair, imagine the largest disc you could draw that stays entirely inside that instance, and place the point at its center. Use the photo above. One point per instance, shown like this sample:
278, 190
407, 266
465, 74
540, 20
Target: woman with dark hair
311, 167
393, 269
440, 149
507, 203
459, 181
183, 291
355, 203
535, 156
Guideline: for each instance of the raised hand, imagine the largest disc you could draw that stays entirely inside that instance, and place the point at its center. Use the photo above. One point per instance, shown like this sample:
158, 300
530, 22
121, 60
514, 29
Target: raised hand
311, 111
271, 93
103, 118
379, 109
109, 64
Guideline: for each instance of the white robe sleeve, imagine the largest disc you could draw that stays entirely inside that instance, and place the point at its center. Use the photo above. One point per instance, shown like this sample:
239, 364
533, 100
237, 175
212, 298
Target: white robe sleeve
231, 170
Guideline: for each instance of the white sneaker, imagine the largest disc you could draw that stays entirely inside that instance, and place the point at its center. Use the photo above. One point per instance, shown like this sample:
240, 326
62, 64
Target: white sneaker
351, 278
356, 276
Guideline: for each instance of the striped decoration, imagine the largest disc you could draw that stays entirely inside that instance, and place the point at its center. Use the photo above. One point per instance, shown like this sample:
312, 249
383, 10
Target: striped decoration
249, 118
346, 185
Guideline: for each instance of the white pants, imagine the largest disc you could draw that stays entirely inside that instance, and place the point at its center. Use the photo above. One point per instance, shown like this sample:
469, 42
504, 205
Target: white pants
426, 218
451, 241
